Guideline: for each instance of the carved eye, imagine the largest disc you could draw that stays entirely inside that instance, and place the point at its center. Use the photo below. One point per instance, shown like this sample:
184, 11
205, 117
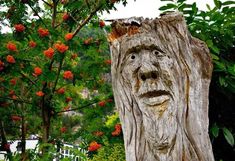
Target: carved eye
156, 52
132, 57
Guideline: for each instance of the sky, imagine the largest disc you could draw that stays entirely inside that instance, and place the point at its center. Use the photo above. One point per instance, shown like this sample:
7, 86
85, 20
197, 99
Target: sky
139, 8
146, 8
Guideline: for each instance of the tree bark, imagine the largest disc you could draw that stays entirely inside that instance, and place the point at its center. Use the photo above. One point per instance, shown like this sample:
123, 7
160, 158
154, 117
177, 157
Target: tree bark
161, 76
23, 139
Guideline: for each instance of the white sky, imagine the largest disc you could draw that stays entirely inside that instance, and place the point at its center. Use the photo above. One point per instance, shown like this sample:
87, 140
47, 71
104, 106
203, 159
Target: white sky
147, 8
144, 8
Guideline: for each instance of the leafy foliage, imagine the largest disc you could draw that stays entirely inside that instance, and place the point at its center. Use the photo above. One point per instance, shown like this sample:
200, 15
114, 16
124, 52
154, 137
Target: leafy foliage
54, 62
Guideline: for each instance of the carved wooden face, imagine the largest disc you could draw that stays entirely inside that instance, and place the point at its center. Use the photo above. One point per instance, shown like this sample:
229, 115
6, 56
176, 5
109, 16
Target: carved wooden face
149, 71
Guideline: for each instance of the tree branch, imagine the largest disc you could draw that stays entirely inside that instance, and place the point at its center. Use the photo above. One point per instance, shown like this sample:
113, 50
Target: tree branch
79, 108
21, 101
54, 13
79, 27
47, 3
37, 15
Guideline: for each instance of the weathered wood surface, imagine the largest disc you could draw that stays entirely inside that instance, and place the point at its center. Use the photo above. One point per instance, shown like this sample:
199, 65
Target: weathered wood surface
161, 76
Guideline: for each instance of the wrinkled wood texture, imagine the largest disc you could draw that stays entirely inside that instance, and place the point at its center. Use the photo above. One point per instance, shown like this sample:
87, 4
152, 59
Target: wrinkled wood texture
161, 76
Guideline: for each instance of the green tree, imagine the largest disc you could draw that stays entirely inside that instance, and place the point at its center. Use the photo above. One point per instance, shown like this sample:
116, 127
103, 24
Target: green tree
46, 62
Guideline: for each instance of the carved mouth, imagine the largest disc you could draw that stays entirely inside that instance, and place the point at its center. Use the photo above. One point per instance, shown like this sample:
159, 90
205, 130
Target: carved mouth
155, 98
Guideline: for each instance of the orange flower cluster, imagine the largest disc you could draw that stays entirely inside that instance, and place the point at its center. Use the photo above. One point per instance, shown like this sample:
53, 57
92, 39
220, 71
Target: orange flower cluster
49, 53
63, 129
19, 27
66, 108
98, 133
102, 103
40, 93
11, 46
117, 130
10, 59
1, 65
61, 47
43, 32
15, 118
65, 16
37, 71
74, 56
68, 75
12, 94
101, 23
68, 99
13, 81
88, 41
110, 100
61, 91
94, 146
68, 36
108, 62
32, 44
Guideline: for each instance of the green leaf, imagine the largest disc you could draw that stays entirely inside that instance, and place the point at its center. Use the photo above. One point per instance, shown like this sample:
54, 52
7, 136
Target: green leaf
214, 57
209, 43
222, 82
168, 6
228, 3
215, 49
181, 1
228, 136
208, 7
215, 130
217, 3
194, 8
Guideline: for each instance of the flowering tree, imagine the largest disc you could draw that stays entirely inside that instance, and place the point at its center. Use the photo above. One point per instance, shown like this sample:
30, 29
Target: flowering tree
46, 61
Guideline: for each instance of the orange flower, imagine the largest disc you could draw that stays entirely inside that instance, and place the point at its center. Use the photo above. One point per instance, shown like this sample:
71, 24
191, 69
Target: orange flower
101, 23
10, 59
68, 75
74, 56
110, 100
40, 93
11, 93
94, 146
117, 130
61, 47
32, 44
68, 36
88, 41
49, 53
1, 65
65, 16
63, 129
37, 71
19, 27
61, 91
14, 97
108, 62
98, 133
102, 103
13, 81
43, 32
68, 99
15, 118
11, 46
66, 107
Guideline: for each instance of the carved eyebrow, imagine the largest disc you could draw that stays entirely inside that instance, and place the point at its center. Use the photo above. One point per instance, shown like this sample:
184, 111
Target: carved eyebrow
138, 48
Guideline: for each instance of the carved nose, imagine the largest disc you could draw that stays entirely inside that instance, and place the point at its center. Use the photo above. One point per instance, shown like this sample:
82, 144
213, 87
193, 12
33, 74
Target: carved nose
148, 75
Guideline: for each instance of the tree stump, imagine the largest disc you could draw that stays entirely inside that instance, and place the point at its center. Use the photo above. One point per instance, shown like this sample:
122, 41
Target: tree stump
160, 77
